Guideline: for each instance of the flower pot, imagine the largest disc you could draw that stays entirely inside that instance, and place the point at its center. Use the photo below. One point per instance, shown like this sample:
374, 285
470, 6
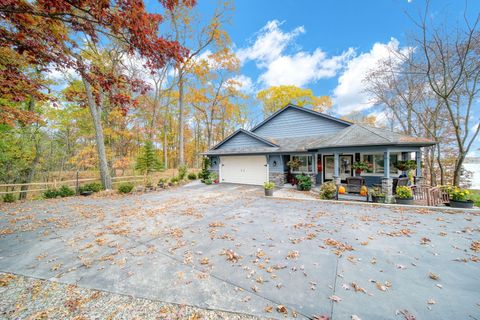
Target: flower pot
404, 200
268, 192
358, 171
461, 204
378, 199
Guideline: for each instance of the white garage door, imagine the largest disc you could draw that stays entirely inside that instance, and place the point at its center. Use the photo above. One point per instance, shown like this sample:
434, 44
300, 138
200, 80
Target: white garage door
244, 169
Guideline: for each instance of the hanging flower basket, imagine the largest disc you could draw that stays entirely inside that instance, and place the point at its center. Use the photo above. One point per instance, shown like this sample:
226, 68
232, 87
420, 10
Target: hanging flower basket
360, 166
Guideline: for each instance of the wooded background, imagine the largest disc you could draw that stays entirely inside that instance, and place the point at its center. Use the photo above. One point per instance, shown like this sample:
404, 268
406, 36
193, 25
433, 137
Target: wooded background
85, 85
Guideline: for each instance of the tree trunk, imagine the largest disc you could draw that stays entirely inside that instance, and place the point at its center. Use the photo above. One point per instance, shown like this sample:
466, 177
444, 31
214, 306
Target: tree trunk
440, 165
458, 169
97, 122
181, 155
165, 142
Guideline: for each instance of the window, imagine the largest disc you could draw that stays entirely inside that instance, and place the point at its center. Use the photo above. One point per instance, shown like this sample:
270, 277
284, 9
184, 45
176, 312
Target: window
377, 163
306, 163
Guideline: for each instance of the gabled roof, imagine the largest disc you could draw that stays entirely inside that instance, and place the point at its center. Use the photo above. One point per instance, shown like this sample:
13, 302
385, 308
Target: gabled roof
303, 109
253, 135
363, 135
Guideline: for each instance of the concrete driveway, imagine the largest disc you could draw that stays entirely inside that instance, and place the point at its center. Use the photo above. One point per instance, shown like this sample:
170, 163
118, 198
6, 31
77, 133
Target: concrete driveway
227, 247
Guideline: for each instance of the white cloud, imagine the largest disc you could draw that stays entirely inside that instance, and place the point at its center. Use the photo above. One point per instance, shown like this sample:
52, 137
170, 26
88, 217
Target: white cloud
280, 68
245, 84
57, 74
349, 95
270, 43
302, 68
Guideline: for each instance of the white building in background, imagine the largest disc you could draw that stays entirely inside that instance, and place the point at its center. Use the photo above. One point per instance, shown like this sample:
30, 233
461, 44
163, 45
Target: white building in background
472, 164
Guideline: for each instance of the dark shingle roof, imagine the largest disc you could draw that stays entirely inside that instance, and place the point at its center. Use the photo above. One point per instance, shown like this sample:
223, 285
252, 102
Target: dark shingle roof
355, 135
363, 135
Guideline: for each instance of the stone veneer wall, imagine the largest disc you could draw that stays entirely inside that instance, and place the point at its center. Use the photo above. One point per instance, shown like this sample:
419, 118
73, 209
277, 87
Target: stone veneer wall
277, 177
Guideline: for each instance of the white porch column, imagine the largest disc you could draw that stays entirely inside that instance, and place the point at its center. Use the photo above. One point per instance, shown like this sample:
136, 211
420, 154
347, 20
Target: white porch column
418, 173
387, 182
336, 168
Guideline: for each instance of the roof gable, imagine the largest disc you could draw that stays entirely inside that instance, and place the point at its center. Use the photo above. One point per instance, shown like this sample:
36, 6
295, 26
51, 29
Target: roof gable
243, 139
294, 121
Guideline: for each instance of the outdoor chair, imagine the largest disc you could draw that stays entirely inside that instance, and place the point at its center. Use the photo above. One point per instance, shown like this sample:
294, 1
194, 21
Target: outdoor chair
400, 182
354, 184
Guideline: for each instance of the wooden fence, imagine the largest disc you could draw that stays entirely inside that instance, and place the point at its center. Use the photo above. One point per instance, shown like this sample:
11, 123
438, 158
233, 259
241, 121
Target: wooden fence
430, 196
38, 187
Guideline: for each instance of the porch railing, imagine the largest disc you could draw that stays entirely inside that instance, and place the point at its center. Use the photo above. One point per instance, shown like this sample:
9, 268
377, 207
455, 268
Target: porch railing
432, 196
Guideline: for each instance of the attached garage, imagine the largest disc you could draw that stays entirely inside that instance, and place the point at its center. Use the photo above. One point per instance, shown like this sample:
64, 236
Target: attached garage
244, 169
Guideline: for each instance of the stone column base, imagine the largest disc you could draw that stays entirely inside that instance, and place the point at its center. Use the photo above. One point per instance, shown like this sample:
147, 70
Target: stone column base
337, 180
277, 177
387, 185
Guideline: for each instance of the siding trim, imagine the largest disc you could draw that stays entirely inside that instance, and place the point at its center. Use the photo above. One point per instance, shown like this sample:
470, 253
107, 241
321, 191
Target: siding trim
288, 106
247, 133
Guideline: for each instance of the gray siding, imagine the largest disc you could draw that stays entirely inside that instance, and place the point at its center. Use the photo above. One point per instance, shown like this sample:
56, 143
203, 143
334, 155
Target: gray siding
296, 123
215, 161
278, 167
242, 140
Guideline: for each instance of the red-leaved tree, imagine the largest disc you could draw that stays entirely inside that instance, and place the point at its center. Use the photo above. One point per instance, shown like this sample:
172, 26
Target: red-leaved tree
47, 34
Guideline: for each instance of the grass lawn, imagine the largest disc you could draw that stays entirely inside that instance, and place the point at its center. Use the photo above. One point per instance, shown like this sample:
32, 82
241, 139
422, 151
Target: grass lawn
476, 197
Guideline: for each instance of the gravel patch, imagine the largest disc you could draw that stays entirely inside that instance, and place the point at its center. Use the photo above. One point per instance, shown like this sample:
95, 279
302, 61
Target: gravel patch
29, 298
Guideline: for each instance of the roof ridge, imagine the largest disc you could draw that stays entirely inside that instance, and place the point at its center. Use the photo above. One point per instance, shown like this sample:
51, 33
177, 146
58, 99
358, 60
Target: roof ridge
368, 128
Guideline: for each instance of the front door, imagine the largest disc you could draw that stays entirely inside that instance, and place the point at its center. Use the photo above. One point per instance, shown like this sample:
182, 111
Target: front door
345, 167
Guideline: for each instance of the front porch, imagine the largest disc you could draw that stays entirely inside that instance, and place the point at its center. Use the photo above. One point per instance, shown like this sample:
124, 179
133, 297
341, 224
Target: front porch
337, 165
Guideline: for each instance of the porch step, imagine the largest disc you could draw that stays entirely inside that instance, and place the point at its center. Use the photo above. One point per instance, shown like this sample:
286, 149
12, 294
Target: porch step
352, 197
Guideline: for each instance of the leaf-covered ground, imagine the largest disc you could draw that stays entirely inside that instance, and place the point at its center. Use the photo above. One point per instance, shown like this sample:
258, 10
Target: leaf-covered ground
227, 247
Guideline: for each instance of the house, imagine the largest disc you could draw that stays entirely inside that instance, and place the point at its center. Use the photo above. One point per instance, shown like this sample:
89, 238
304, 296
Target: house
325, 146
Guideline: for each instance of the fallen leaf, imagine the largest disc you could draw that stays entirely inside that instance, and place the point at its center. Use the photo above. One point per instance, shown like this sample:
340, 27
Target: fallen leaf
475, 246
431, 301
335, 298
406, 314
292, 255
357, 288
282, 309
433, 276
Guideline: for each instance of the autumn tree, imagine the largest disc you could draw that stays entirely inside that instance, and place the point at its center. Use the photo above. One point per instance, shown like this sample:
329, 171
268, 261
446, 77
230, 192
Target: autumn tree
216, 95
50, 33
277, 97
188, 27
452, 69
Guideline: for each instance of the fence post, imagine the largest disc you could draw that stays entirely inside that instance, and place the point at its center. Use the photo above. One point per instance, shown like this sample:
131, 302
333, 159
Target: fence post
77, 186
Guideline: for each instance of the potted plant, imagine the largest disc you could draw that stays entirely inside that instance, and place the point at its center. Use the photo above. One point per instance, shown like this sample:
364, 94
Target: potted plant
328, 190
406, 165
304, 182
404, 195
268, 186
377, 195
360, 166
294, 164
460, 198
214, 177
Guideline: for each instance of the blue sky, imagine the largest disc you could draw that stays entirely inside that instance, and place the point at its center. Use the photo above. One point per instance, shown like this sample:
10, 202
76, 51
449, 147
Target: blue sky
326, 45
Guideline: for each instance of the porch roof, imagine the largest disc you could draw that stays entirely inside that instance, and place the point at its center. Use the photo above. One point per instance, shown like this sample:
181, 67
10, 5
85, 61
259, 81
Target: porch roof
362, 135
